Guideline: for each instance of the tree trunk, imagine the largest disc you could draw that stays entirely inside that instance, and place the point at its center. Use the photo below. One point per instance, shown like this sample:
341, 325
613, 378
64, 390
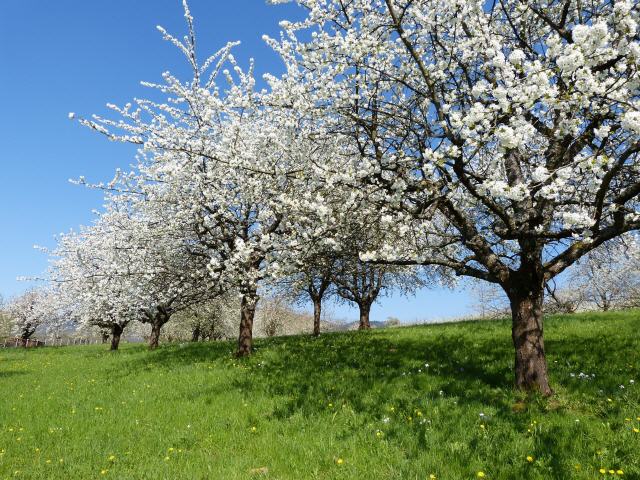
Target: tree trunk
195, 335
317, 311
105, 337
162, 316
154, 339
27, 332
116, 333
527, 333
365, 308
247, 313
210, 332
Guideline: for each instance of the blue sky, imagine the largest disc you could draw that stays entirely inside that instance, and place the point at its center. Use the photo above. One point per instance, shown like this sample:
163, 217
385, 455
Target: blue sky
73, 56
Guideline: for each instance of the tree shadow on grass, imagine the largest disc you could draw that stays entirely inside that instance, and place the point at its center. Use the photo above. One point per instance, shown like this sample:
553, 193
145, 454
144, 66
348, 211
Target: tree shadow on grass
370, 371
357, 367
360, 369
472, 366
11, 373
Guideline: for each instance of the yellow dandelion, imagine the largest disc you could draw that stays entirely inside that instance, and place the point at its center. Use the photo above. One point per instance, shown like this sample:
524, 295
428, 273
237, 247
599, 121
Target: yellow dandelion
432, 477
480, 474
103, 472
612, 472
619, 472
48, 460
253, 429
529, 458
378, 434
166, 459
112, 458
339, 461
171, 449
636, 430
602, 471
61, 460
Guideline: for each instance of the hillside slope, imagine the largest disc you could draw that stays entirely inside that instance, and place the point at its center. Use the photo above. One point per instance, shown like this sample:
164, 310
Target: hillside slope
399, 403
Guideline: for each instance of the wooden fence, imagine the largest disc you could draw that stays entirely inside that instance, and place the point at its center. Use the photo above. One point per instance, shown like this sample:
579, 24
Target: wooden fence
17, 342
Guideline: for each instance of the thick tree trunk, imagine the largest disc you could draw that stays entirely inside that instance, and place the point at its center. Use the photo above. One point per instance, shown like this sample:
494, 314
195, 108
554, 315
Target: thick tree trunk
317, 311
116, 333
161, 317
527, 333
154, 339
27, 332
195, 335
247, 313
365, 309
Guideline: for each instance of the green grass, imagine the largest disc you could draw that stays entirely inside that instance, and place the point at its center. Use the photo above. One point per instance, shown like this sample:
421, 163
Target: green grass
345, 406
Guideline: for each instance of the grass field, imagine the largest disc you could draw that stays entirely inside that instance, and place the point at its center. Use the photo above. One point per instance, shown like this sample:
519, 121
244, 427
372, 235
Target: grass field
401, 403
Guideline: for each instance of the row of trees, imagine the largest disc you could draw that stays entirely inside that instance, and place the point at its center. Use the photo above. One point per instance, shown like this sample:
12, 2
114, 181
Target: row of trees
606, 278
79, 305
496, 140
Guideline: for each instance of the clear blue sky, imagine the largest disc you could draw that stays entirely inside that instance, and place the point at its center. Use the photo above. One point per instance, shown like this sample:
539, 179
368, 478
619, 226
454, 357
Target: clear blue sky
75, 56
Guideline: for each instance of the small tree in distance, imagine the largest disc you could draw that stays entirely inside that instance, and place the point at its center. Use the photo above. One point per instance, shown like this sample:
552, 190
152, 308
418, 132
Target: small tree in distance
609, 277
30, 311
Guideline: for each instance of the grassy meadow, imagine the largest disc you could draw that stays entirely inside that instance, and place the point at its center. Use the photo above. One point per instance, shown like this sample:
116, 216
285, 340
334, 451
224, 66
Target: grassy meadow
401, 403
